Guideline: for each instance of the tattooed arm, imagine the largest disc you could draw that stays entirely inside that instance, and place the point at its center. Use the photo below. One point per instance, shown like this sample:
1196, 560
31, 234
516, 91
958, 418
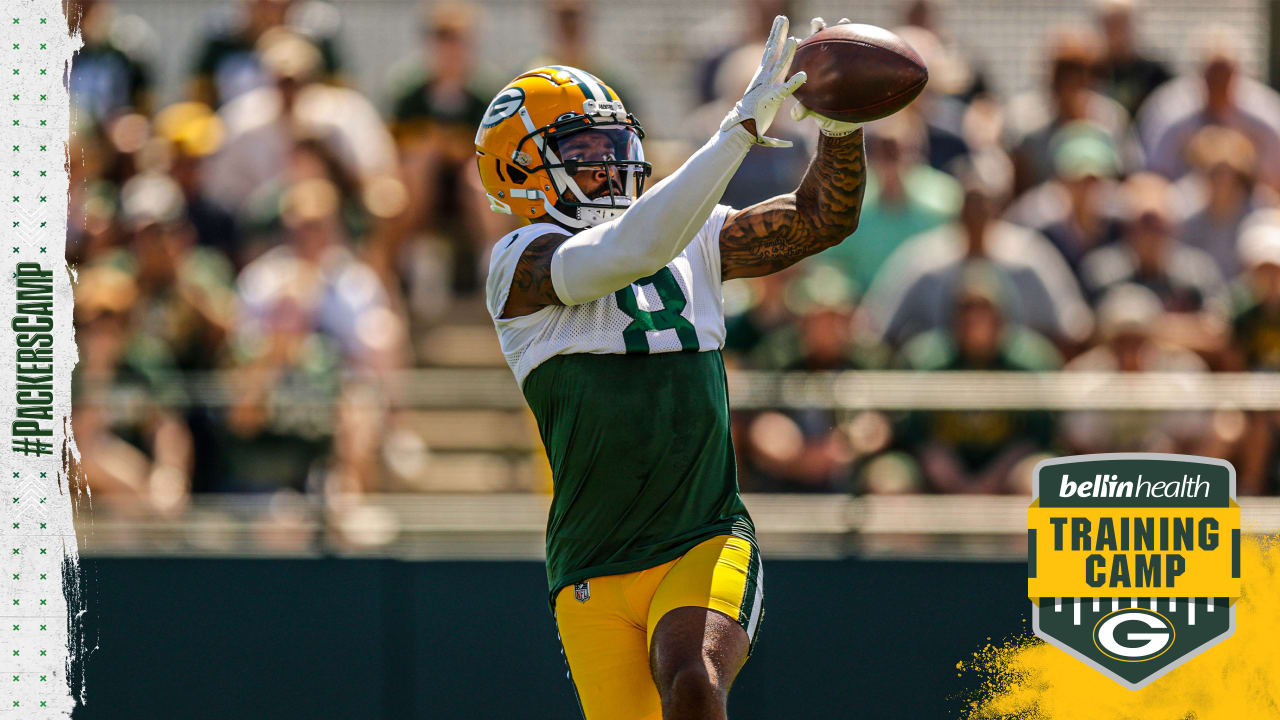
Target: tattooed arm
531, 288
823, 211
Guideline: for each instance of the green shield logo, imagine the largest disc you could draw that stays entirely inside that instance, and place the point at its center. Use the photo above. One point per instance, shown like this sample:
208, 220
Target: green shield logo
1134, 560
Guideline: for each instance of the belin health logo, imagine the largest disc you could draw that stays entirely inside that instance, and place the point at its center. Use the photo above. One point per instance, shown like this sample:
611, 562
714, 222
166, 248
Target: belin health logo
1134, 560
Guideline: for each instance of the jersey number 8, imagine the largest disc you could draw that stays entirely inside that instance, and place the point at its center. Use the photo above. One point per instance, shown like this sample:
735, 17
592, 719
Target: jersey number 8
667, 318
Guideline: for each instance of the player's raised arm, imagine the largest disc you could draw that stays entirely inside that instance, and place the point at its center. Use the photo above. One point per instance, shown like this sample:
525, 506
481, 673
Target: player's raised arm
822, 212
656, 227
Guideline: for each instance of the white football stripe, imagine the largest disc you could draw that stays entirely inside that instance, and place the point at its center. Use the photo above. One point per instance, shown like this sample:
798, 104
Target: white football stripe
759, 602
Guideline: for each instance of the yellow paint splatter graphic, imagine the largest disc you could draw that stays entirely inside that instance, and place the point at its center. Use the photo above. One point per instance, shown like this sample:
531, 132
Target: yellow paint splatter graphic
1238, 679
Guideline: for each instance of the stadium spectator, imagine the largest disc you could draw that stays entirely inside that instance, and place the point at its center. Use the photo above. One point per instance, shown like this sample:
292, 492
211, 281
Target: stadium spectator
914, 290
184, 299
1221, 192
310, 311
1184, 279
439, 91
184, 295
435, 115
904, 197
819, 304
1255, 346
977, 451
1127, 75
192, 133
111, 75
1071, 96
808, 450
1127, 315
1075, 210
340, 297
754, 308
1255, 316
285, 376
228, 62
135, 450
1219, 95
262, 217
263, 124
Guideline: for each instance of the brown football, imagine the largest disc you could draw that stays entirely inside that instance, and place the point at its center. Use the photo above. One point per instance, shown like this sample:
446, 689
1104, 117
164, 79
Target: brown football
858, 73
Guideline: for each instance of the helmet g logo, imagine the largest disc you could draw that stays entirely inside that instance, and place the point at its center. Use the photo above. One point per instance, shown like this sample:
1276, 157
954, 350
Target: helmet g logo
1133, 634
503, 106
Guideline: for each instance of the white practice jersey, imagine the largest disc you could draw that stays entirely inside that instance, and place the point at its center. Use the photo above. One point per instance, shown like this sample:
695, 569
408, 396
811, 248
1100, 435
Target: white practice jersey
680, 307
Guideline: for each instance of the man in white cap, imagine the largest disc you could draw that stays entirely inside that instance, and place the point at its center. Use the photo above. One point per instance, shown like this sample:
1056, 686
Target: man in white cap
1127, 317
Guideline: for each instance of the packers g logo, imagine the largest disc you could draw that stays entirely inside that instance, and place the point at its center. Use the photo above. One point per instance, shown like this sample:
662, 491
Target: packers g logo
503, 106
1133, 634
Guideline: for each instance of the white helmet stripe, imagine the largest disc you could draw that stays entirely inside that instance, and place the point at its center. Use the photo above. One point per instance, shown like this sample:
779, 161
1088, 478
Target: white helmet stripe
590, 84
605, 94
530, 127
593, 81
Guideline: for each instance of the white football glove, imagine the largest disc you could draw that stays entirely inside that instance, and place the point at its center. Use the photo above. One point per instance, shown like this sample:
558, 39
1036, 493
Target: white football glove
767, 90
827, 126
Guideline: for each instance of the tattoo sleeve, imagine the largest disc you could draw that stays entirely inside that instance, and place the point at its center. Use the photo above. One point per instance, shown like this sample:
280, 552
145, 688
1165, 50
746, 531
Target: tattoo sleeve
823, 211
531, 288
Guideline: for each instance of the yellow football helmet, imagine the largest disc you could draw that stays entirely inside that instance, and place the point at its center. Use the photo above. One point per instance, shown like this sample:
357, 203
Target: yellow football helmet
547, 130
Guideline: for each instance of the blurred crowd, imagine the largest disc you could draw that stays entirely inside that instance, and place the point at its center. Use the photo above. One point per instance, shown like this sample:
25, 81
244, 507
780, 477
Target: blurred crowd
285, 243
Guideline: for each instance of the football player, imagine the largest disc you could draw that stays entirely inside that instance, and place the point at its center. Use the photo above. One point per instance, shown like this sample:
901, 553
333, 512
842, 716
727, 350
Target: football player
608, 306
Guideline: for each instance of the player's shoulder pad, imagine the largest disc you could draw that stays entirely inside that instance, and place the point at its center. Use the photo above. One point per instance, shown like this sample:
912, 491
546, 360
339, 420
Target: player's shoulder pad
503, 259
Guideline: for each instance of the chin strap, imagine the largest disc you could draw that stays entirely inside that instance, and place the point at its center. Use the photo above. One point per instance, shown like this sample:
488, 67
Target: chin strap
554, 213
586, 217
